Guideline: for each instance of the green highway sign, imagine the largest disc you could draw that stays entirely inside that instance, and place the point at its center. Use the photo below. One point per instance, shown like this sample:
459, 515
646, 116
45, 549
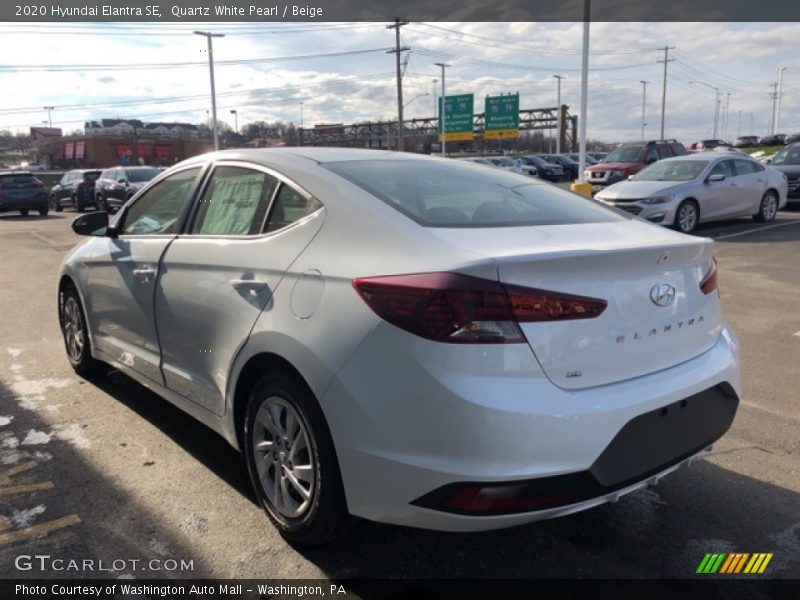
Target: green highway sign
458, 117
501, 117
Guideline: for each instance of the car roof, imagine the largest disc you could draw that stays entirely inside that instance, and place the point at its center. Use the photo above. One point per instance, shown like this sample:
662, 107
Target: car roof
705, 156
316, 154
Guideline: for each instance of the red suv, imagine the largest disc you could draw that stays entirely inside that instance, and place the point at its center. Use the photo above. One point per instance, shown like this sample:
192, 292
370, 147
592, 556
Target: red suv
628, 159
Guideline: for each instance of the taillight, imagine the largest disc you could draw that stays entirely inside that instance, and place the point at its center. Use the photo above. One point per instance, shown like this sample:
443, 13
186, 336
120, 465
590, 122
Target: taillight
709, 282
495, 498
459, 309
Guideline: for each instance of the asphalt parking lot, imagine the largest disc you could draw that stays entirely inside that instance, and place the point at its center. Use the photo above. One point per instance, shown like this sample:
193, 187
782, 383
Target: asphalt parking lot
109, 471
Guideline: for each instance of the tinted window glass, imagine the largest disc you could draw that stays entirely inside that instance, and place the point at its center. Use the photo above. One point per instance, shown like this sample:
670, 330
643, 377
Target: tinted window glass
107, 174
744, 167
787, 156
158, 210
91, 175
234, 202
455, 194
140, 175
724, 167
665, 151
17, 178
625, 154
289, 206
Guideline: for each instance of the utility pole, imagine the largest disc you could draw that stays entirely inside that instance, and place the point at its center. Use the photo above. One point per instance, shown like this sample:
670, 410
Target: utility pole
444, 116
725, 115
581, 185
739, 126
666, 61
774, 95
398, 23
644, 101
716, 104
752, 120
49, 110
210, 35
235, 114
780, 95
435, 98
558, 114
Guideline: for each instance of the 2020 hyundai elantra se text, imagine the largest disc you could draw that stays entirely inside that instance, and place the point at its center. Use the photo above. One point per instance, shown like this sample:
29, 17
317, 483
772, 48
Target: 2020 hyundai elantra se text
413, 340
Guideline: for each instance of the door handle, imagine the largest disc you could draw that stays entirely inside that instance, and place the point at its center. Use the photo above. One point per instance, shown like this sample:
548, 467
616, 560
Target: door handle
144, 273
248, 284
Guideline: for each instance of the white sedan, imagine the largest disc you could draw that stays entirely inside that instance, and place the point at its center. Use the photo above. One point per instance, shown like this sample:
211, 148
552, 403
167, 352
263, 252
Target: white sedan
684, 191
407, 339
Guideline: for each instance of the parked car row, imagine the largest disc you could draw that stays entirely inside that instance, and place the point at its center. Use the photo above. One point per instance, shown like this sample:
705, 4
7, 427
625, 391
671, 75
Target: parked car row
107, 190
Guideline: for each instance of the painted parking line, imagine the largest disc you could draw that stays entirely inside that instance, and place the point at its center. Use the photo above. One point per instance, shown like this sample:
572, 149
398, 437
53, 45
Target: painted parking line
757, 229
39, 529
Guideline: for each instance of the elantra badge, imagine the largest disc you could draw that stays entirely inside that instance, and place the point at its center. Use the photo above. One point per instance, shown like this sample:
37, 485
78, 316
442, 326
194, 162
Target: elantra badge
662, 294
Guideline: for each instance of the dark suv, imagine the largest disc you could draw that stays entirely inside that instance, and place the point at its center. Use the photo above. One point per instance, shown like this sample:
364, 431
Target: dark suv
22, 191
75, 189
628, 159
116, 185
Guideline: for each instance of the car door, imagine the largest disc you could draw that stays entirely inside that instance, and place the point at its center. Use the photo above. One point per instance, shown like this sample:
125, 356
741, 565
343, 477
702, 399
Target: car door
58, 190
751, 183
717, 197
249, 225
121, 282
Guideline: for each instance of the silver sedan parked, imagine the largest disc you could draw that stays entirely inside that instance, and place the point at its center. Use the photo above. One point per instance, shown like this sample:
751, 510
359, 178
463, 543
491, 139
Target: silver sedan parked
686, 190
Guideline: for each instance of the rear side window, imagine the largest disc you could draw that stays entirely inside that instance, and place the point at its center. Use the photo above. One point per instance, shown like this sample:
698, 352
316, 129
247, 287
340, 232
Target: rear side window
17, 178
234, 202
290, 206
452, 194
91, 175
744, 167
723, 167
665, 151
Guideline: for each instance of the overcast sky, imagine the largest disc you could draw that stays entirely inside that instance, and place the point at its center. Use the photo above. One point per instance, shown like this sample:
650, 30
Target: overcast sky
486, 58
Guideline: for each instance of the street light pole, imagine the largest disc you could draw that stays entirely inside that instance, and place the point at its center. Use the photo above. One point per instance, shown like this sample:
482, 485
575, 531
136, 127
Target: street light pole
235, 114
780, 93
644, 101
208, 36
435, 98
49, 109
444, 115
584, 95
558, 114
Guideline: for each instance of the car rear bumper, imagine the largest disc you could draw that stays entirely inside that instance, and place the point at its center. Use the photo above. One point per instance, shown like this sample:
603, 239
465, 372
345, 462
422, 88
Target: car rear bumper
30, 203
406, 428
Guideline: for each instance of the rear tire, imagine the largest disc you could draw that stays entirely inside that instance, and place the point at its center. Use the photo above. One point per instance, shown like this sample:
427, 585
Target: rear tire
687, 216
76, 336
78, 204
23, 212
44, 209
285, 426
57, 204
768, 208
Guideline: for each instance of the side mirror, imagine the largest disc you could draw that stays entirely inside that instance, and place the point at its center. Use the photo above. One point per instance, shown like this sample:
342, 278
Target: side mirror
123, 181
92, 224
716, 177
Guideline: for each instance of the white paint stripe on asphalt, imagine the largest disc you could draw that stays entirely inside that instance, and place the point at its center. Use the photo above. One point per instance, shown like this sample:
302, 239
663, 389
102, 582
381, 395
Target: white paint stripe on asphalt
776, 225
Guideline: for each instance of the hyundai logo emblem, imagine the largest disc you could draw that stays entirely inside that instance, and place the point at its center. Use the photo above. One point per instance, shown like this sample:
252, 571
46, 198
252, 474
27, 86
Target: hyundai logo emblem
662, 294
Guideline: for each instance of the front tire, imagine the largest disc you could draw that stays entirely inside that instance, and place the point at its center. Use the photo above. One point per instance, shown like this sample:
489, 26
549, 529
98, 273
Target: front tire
292, 461
23, 212
76, 336
44, 208
78, 204
768, 208
687, 216
57, 204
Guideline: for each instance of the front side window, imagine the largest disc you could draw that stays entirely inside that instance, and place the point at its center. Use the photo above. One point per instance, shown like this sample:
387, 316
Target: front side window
234, 202
787, 156
672, 170
157, 211
140, 175
289, 206
630, 154
454, 194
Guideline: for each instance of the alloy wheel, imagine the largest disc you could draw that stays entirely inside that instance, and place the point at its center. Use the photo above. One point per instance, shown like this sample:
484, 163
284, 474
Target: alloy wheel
73, 329
284, 458
687, 217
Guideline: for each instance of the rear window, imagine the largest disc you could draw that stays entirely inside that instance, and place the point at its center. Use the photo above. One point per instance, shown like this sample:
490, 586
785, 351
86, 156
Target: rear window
631, 154
140, 175
17, 178
91, 175
454, 194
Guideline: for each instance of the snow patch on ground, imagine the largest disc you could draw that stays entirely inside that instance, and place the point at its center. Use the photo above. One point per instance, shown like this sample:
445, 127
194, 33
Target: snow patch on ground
23, 518
5, 420
74, 434
36, 437
14, 352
